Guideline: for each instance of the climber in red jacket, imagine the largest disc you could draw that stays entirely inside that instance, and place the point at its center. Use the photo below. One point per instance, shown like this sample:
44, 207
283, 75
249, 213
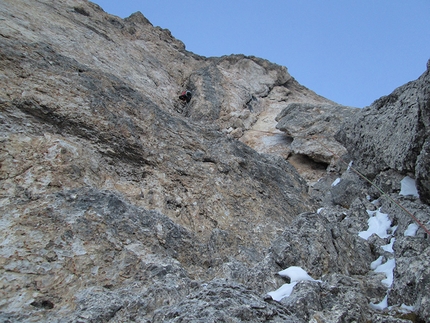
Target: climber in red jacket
185, 96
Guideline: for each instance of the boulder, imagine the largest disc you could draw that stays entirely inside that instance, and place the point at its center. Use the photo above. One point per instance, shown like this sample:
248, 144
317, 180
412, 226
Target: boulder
312, 127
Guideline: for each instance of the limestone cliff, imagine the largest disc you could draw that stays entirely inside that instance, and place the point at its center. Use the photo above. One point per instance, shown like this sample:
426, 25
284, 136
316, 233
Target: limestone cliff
119, 202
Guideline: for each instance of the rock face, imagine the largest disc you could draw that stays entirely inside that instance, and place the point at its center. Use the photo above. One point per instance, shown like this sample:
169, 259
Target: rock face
394, 133
311, 127
119, 203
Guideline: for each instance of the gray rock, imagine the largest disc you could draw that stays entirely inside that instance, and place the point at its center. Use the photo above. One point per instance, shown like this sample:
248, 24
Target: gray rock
412, 274
321, 247
314, 302
120, 204
312, 126
392, 132
422, 172
219, 301
344, 193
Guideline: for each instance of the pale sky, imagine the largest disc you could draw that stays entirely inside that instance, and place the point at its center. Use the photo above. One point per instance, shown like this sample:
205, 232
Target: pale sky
349, 51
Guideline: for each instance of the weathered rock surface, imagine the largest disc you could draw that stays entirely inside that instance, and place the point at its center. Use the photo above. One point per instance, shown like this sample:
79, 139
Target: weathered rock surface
306, 123
265, 136
120, 204
236, 304
393, 133
311, 127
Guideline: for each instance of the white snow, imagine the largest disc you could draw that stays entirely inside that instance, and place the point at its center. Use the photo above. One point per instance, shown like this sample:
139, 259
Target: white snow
411, 231
389, 247
381, 306
408, 187
388, 269
376, 263
283, 291
336, 181
295, 274
375, 202
379, 223
407, 308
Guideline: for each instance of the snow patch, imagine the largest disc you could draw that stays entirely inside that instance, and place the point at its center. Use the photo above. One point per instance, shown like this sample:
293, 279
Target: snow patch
411, 231
376, 263
379, 223
388, 269
389, 247
337, 181
407, 308
408, 187
295, 274
382, 305
283, 291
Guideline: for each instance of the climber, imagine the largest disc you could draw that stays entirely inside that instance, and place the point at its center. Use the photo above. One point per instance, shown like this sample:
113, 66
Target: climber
185, 96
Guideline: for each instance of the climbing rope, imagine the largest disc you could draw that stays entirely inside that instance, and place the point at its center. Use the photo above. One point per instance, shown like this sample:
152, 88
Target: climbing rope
365, 178
374, 185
